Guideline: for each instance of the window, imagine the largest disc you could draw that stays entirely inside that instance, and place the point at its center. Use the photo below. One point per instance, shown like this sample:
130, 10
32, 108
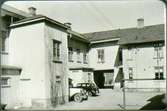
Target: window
4, 81
78, 85
70, 54
100, 55
4, 37
155, 52
85, 57
58, 78
120, 56
108, 78
78, 56
159, 73
89, 77
158, 51
3, 43
130, 70
83, 85
56, 50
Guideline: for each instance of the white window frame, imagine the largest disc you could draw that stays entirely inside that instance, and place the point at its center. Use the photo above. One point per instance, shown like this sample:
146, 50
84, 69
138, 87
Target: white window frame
101, 55
158, 51
108, 78
85, 57
70, 54
159, 70
56, 50
131, 73
78, 55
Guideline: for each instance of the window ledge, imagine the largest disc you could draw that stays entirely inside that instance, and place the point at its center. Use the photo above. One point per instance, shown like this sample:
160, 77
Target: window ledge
70, 61
78, 61
159, 79
131, 81
3, 52
5, 86
101, 62
158, 58
57, 61
85, 62
129, 59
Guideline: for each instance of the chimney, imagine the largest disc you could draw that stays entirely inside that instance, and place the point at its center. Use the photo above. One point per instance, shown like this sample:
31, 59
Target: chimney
68, 24
32, 11
140, 23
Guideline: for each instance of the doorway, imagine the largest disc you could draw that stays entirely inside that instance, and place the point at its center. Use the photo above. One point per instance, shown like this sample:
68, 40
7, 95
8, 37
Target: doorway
104, 78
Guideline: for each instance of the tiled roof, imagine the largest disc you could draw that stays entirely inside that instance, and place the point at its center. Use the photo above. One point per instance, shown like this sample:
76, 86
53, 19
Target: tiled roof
131, 35
102, 35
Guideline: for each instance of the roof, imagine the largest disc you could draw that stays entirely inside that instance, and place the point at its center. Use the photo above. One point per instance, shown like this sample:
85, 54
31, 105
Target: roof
37, 18
14, 10
102, 35
130, 35
147, 34
78, 36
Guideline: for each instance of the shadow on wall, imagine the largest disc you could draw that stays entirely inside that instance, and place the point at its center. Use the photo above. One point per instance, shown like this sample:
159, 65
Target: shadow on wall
156, 102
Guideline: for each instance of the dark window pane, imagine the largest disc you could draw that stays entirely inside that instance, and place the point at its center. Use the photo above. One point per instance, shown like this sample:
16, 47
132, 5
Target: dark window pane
161, 75
70, 54
156, 75
78, 55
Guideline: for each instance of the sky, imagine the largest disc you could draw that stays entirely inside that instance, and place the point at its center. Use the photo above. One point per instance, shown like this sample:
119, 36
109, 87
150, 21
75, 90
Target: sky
93, 16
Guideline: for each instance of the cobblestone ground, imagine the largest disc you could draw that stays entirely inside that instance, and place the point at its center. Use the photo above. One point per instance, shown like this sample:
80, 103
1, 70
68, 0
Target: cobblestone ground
111, 99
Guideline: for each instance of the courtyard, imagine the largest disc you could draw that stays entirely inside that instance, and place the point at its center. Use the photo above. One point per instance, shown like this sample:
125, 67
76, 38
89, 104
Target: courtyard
111, 99
108, 99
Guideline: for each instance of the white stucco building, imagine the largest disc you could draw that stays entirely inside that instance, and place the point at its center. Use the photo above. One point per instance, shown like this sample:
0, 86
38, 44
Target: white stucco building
38, 51
104, 51
143, 58
42, 55
79, 59
134, 54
